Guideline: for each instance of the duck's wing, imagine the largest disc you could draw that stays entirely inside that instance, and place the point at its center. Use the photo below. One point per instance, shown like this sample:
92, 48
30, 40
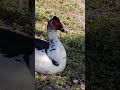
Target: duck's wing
40, 44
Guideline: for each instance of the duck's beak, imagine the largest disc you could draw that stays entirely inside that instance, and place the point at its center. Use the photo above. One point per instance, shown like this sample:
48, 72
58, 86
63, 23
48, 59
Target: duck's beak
63, 30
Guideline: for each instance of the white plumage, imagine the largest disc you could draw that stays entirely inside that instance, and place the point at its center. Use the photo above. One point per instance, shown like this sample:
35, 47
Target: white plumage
54, 60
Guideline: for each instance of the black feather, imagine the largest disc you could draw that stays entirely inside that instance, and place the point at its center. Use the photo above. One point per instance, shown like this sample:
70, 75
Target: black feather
40, 44
54, 18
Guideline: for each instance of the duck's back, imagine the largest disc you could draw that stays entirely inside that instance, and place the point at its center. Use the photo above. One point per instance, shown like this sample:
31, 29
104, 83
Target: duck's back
41, 44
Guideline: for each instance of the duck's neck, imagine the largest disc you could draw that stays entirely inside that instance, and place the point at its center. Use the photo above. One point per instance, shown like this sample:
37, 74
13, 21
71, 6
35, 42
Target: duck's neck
52, 35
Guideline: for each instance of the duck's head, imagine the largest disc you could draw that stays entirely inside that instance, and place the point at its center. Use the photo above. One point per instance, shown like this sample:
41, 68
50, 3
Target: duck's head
55, 24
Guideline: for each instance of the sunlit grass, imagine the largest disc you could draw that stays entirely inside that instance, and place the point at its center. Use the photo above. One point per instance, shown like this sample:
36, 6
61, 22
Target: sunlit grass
71, 15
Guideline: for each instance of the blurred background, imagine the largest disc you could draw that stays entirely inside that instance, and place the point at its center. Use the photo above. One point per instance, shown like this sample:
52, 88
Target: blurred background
72, 14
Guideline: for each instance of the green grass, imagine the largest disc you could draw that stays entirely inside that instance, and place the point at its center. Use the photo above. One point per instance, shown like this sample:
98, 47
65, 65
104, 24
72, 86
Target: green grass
71, 14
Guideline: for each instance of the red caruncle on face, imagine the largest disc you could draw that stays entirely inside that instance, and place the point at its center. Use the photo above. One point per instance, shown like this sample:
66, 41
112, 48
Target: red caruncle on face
57, 25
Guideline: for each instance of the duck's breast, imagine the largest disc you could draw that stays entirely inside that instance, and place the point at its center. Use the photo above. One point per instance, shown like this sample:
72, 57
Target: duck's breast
42, 61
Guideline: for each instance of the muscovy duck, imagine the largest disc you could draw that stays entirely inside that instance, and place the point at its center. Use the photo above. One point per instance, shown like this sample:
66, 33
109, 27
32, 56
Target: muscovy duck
50, 58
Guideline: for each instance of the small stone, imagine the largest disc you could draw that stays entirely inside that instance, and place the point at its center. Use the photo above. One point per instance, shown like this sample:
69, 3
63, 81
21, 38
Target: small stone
75, 81
82, 86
